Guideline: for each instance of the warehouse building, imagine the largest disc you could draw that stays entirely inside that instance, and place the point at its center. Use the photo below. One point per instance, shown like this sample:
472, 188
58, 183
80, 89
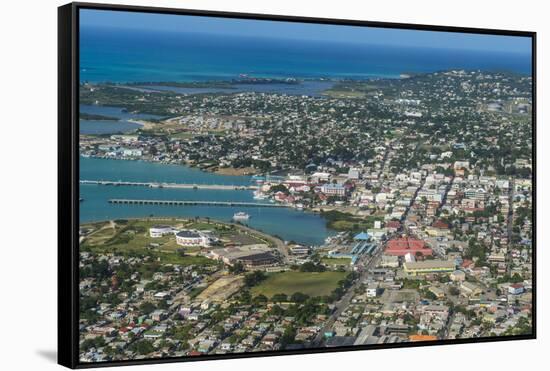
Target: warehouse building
251, 256
429, 266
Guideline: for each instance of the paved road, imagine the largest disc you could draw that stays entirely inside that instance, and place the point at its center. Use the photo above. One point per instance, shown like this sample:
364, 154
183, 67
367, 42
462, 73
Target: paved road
444, 200
448, 325
510, 226
279, 244
344, 302
415, 196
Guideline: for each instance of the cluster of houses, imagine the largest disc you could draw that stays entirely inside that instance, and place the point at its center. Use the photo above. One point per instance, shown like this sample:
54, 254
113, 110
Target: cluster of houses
452, 240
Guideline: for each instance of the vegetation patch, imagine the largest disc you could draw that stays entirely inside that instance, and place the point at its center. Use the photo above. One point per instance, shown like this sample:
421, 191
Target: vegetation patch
340, 221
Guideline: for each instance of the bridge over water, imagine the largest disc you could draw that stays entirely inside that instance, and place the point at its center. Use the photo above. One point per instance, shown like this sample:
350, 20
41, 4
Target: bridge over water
191, 203
220, 187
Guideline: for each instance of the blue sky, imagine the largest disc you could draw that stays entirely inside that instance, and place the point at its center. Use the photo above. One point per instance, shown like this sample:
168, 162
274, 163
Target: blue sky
304, 31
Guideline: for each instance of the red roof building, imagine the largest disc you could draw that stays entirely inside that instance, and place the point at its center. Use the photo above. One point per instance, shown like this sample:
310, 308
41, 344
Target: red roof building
441, 225
403, 246
394, 224
468, 264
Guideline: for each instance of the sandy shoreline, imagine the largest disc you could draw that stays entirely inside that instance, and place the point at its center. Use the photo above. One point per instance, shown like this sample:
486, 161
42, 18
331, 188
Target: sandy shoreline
147, 125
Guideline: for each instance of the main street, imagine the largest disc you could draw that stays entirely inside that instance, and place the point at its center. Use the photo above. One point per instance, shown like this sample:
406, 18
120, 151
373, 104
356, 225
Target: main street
344, 302
510, 225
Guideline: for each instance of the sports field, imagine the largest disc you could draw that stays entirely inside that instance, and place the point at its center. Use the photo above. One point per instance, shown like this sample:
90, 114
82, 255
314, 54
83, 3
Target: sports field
309, 283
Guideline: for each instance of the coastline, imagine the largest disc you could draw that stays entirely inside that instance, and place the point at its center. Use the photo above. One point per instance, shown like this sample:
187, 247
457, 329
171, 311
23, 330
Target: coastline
319, 209
138, 122
276, 241
229, 171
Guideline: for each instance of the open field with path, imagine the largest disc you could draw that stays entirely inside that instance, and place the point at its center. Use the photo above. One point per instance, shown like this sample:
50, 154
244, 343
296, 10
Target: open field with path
131, 236
309, 283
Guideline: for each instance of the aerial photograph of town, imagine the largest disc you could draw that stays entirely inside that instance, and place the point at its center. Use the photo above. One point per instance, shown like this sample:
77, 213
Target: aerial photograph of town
268, 186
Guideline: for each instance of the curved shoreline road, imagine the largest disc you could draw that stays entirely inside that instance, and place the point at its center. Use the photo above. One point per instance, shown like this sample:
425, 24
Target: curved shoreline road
279, 244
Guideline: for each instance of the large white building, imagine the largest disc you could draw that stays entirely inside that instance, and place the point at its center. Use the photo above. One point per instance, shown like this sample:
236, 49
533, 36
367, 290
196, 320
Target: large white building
160, 230
354, 173
372, 291
333, 189
299, 250
476, 194
191, 238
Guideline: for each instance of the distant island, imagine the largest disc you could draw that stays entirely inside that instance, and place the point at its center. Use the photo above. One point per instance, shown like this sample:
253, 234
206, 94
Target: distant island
96, 117
222, 84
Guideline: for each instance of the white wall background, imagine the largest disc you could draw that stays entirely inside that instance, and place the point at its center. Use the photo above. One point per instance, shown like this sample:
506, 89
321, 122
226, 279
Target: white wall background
28, 151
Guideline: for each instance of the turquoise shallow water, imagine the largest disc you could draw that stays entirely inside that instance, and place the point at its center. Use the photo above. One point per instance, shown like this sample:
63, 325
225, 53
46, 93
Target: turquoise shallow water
289, 224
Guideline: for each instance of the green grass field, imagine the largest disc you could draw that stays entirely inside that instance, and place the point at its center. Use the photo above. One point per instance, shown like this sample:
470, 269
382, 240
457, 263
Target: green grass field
309, 283
174, 258
132, 236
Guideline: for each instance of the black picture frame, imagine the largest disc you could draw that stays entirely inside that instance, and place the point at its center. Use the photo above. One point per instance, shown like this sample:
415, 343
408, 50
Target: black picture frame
68, 184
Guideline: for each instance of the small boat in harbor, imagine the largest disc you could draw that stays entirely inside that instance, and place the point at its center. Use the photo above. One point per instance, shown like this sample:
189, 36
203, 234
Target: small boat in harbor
258, 195
241, 215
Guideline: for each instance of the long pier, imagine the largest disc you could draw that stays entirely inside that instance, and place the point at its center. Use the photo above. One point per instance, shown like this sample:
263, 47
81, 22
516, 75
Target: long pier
191, 203
219, 187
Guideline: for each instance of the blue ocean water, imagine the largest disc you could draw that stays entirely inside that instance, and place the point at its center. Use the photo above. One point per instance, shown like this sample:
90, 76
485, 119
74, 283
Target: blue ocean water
119, 55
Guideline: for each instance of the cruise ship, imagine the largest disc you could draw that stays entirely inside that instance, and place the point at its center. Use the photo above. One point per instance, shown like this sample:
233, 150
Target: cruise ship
241, 215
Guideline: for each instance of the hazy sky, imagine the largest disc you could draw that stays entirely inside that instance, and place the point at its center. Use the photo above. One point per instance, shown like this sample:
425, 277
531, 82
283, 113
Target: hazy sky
289, 30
